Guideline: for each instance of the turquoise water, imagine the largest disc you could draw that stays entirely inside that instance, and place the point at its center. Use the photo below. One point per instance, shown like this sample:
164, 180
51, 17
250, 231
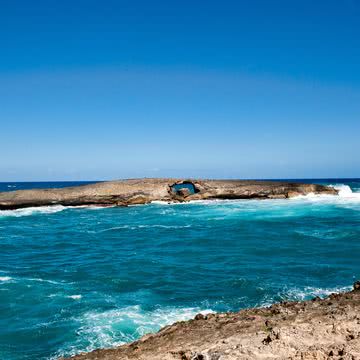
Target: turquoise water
75, 279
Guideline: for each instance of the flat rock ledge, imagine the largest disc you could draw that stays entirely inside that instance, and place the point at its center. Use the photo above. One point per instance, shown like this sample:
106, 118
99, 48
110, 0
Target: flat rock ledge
142, 191
316, 329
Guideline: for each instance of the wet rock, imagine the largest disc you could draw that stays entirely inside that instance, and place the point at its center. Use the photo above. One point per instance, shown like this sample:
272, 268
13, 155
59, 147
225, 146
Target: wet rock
199, 317
357, 285
307, 334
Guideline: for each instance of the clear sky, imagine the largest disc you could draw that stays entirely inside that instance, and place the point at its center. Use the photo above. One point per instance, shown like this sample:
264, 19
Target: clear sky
94, 90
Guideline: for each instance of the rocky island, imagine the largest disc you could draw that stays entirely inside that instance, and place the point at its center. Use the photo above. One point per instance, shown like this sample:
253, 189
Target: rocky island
316, 329
142, 191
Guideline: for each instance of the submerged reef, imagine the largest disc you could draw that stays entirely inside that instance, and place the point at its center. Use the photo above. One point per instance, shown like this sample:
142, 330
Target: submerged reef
142, 191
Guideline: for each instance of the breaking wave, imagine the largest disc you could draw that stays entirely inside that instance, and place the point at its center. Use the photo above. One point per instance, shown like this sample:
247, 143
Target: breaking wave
32, 211
44, 210
345, 194
116, 327
108, 329
311, 292
301, 294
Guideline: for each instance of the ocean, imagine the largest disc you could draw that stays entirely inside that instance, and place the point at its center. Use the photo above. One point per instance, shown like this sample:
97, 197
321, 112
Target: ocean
77, 279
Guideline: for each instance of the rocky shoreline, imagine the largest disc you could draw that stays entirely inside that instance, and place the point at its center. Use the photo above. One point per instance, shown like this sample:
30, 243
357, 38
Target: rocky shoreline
142, 191
316, 329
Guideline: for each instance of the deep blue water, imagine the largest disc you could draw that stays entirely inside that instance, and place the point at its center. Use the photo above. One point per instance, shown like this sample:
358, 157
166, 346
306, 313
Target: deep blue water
12, 186
75, 279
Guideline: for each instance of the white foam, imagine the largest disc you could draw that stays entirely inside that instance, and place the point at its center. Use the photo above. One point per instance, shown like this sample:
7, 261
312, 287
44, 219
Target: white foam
25, 279
199, 202
310, 292
115, 327
32, 211
45, 280
164, 226
75, 297
90, 207
47, 210
345, 195
301, 294
135, 227
346, 192
159, 202
103, 324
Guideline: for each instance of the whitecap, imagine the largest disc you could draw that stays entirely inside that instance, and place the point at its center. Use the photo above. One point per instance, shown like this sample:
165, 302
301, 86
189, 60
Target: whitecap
164, 226
32, 211
346, 192
75, 297
45, 280
302, 294
26, 279
135, 227
199, 202
345, 196
114, 228
103, 324
90, 207
310, 292
46, 210
160, 202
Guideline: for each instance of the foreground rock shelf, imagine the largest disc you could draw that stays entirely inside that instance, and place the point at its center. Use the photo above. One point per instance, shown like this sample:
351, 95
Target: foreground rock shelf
317, 329
142, 191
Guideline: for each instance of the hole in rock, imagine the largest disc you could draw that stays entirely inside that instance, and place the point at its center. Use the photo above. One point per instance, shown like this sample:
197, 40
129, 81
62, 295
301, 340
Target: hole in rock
184, 188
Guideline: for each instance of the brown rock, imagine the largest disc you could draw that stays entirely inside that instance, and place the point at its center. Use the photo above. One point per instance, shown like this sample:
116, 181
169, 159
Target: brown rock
305, 334
356, 285
142, 191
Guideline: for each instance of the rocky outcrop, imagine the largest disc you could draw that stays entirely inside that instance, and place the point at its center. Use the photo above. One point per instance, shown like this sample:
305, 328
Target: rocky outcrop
142, 191
317, 329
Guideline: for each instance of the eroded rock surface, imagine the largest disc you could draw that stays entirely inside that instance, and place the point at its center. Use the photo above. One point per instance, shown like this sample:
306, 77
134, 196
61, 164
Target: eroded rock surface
142, 191
316, 329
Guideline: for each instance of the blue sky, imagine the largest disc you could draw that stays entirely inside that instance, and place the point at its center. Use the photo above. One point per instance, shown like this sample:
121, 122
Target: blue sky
233, 89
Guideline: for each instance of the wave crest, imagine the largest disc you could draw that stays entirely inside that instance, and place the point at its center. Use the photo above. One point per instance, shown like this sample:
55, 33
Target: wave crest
32, 211
116, 327
311, 292
345, 194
